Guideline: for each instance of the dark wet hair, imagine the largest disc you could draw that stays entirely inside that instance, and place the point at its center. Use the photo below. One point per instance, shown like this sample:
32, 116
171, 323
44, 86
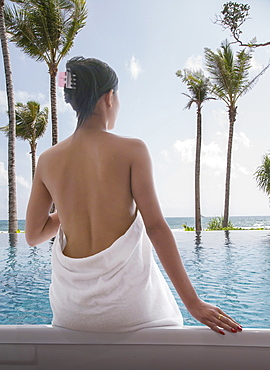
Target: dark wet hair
91, 78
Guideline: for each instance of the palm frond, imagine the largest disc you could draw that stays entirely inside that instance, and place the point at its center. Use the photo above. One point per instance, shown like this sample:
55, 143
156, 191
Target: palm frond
24, 33
190, 102
5, 129
198, 85
249, 85
216, 66
31, 123
230, 74
45, 29
73, 22
262, 175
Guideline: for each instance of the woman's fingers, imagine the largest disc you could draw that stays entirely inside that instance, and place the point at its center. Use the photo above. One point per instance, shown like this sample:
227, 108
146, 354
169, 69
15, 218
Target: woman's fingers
223, 315
215, 318
224, 321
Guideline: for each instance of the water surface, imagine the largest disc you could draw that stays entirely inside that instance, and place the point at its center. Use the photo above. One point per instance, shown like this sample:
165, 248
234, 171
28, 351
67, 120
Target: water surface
229, 269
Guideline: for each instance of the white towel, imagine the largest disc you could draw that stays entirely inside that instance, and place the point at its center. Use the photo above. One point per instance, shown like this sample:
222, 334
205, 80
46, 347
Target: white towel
119, 289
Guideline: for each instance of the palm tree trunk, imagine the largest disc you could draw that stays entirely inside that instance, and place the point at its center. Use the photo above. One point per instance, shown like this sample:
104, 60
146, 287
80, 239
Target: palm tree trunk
198, 226
33, 158
232, 117
53, 72
12, 201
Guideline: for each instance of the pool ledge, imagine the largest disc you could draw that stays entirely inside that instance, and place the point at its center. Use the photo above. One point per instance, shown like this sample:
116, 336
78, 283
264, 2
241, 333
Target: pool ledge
43, 346
195, 335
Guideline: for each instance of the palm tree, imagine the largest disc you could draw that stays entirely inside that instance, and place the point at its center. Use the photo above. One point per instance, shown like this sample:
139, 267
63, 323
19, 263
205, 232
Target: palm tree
199, 88
262, 175
12, 199
31, 124
45, 30
230, 77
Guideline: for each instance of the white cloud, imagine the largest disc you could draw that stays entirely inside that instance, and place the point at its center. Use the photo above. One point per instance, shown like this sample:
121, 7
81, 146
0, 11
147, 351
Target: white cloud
213, 155
255, 66
23, 182
220, 117
194, 63
4, 178
25, 96
241, 169
186, 148
3, 175
3, 103
134, 68
22, 97
241, 138
165, 155
23, 57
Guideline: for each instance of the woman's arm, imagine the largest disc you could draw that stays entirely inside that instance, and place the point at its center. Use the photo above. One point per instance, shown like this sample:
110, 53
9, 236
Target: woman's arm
144, 194
40, 224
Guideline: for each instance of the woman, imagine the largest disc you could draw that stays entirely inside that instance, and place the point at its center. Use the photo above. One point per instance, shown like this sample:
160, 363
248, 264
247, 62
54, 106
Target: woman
104, 277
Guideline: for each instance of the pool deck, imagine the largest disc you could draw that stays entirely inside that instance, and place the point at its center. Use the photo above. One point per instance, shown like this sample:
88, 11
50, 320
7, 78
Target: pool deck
45, 347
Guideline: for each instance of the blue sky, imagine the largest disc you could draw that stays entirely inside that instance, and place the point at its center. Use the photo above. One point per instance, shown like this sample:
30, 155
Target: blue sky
146, 42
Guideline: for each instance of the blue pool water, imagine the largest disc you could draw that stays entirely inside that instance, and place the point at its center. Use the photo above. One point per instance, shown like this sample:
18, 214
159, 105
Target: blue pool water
231, 270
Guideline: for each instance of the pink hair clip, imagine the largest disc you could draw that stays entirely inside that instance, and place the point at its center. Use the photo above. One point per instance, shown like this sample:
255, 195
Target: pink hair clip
67, 79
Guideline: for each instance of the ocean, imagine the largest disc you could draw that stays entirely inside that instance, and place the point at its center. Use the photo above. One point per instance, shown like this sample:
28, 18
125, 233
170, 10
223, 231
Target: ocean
245, 222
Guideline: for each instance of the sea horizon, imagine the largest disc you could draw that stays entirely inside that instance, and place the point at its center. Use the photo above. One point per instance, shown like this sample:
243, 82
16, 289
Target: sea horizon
177, 222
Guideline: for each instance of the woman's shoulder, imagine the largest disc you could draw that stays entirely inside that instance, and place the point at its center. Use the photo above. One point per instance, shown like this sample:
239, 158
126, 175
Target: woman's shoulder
52, 152
129, 142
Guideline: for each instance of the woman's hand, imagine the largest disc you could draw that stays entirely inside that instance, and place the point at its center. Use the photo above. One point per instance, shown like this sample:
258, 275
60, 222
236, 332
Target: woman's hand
214, 317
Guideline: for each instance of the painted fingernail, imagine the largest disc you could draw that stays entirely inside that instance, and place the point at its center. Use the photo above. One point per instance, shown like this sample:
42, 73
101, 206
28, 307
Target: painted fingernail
239, 328
222, 332
233, 330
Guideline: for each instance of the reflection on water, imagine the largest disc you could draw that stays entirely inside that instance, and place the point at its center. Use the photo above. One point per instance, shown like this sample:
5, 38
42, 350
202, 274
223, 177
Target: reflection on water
227, 238
228, 269
13, 239
198, 239
24, 282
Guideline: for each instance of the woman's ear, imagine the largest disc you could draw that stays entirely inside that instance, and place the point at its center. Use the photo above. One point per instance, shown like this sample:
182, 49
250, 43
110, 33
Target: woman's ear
109, 98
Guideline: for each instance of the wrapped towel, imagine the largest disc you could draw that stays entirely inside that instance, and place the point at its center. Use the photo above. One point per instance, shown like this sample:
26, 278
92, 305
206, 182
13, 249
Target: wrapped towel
119, 289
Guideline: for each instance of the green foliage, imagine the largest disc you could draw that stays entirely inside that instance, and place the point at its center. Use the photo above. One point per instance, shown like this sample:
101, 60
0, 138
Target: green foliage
229, 73
215, 223
262, 175
233, 15
198, 86
31, 122
45, 29
188, 228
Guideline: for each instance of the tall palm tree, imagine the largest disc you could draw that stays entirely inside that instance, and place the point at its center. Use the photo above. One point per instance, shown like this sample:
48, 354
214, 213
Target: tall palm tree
31, 124
230, 75
199, 88
12, 198
262, 175
45, 30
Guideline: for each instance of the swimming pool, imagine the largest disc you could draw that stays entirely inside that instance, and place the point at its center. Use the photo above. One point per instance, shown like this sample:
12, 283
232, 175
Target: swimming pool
231, 270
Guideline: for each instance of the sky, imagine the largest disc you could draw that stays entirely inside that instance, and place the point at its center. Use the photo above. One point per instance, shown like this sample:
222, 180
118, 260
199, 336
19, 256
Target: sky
146, 42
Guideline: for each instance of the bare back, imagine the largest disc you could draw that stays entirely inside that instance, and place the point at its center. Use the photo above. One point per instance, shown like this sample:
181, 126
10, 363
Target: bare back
89, 178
